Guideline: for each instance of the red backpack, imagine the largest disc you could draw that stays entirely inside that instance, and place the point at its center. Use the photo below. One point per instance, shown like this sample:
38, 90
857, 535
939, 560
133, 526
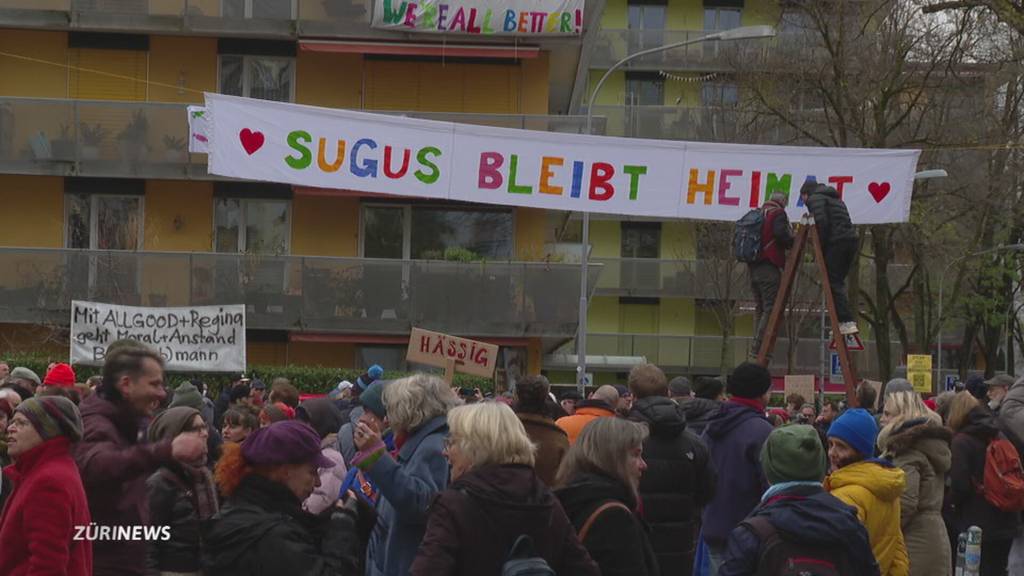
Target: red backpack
1003, 484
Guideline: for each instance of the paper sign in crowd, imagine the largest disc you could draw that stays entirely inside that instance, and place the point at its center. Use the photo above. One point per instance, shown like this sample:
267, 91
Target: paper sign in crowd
328, 148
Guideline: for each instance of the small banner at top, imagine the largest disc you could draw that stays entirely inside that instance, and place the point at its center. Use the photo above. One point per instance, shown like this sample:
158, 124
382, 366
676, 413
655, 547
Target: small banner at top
343, 149
481, 17
193, 339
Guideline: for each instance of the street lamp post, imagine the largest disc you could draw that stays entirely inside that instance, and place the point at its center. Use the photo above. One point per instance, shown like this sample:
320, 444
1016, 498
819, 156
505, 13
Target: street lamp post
742, 33
942, 280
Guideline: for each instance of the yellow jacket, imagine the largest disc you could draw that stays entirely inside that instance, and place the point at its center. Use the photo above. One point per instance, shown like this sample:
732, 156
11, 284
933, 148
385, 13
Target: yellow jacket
874, 490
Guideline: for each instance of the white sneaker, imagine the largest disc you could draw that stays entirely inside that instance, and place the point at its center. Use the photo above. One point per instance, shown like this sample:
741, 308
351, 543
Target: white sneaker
848, 328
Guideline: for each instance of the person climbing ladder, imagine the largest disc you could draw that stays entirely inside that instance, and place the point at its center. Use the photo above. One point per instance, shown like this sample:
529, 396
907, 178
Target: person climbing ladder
838, 241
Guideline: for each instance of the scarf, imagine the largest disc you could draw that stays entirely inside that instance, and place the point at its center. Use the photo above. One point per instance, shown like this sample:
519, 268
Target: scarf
774, 489
749, 403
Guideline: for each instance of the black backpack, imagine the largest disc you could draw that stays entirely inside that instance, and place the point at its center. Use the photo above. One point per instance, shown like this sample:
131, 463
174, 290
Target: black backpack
783, 556
523, 560
746, 240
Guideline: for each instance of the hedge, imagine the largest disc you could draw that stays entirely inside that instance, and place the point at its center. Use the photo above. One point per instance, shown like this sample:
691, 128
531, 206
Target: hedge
311, 379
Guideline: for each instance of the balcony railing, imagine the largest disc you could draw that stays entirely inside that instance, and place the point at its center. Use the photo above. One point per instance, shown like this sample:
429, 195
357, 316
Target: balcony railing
89, 137
651, 278
321, 294
614, 45
702, 354
703, 124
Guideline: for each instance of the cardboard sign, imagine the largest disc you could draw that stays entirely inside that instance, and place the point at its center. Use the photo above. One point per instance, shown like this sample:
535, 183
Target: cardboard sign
344, 149
800, 384
481, 17
436, 349
192, 339
919, 372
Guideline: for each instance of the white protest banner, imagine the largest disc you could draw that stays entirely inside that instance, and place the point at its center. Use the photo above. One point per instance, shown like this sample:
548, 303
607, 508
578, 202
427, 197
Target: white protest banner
340, 149
198, 140
481, 17
192, 339
437, 349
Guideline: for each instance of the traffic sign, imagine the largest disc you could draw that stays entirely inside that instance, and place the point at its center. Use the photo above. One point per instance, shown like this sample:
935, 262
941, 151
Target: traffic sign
853, 343
835, 371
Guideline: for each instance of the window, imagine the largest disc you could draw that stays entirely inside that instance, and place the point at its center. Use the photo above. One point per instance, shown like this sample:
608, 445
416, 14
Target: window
251, 225
644, 89
270, 9
436, 233
719, 95
795, 21
646, 25
721, 18
263, 77
641, 239
103, 222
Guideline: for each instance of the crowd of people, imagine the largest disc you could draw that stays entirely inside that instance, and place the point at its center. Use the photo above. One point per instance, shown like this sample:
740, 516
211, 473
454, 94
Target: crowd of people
410, 476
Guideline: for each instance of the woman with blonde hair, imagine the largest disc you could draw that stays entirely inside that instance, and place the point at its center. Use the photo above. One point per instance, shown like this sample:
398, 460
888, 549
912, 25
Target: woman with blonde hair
408, 481
495, 498
600, 479
914, 439
975, 428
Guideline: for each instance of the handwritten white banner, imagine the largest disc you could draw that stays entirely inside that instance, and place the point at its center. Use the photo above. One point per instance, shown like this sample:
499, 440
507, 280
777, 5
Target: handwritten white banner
194, 339
327, 148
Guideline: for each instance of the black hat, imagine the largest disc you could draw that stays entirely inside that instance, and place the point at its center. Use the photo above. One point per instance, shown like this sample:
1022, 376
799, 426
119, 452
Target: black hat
749, 380
680, 386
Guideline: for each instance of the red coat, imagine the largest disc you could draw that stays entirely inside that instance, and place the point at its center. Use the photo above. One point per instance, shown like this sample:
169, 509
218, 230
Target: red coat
37, 527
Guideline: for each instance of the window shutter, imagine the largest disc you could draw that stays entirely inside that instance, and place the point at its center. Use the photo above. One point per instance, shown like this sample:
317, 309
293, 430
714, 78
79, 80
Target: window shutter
438, 87
392, 85
129, 66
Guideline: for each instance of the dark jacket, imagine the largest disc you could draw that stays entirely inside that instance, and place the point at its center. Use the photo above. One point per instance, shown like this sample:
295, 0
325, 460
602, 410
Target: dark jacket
734, 438
968, 472
776, 237
699, 411
263, 530
474, 523
830, 216
114, 468
677, 483
618, 540
552, 444
811, 516
173, 502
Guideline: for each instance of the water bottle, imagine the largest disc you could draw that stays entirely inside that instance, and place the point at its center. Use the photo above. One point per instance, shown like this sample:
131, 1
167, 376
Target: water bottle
972, 555
961, 550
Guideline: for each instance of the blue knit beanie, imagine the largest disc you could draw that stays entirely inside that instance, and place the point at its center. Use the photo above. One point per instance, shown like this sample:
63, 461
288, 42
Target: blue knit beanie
857, 428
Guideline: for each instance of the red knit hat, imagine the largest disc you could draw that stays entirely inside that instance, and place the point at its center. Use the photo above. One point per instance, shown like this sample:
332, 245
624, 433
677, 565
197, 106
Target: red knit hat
61, 375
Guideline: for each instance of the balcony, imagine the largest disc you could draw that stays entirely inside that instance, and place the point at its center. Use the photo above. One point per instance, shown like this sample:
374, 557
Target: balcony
704, 124
343, 295
614, 45
701, 354
89, 138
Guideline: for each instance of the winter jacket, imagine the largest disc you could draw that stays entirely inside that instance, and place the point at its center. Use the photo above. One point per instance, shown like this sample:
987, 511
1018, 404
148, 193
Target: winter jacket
810, 516
734, 437
114, 467
830, 216
1011, 415
776, 237
618, 540
678, 481
921, 449
38, 532
698, 412
967, 473
262, 530
474, 523
407, 487
552, 444
174, 494
326, 494
874, 488
586, 411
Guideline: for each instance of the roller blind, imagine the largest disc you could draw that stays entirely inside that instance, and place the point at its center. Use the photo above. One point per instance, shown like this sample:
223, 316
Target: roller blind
433, 86
129, 66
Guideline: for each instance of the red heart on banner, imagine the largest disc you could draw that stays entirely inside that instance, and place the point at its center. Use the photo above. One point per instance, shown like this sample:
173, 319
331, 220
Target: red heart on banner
251, 141
878, 190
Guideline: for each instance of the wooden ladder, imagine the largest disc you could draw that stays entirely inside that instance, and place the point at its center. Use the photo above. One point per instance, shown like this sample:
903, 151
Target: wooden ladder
807, 231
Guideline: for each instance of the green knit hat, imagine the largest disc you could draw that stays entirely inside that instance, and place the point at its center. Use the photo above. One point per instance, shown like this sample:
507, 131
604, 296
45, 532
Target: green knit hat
53, 416
793, 453
187, 395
